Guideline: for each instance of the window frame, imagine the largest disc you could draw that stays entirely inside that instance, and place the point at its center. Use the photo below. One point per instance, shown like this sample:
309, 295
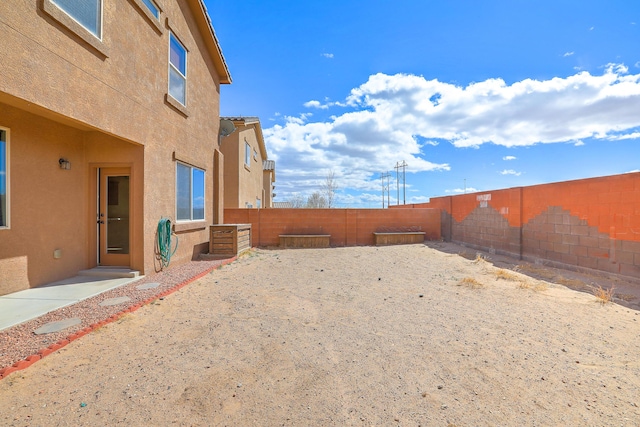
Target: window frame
51, 9
99, 23
149, 16
192, 195
149, 4
247, 154
171, 67
6, 216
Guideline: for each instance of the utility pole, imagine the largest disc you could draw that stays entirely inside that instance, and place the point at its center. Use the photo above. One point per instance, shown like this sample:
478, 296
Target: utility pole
382, 185
385, 187
397, 183
388, 185
404, 183
402, 165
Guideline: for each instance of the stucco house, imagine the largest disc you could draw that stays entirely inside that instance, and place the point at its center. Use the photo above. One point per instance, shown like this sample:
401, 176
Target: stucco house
109, 120
249, 175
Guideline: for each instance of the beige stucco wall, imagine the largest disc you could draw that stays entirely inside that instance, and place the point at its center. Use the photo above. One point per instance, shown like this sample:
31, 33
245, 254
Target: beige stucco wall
242, 184
62, 97
268, 181
43, 218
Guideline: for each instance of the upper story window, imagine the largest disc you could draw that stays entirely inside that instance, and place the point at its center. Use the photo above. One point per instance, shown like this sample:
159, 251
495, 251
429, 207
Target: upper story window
87, 13
189, 193
153, 8
4, 177
247, 154
177, 70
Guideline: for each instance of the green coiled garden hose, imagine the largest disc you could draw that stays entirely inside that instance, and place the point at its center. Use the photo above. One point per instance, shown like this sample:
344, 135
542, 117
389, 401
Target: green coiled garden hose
164, 242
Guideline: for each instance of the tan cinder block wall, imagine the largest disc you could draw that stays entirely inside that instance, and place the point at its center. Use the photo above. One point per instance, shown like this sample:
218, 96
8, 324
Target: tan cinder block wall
242, 185
59, 96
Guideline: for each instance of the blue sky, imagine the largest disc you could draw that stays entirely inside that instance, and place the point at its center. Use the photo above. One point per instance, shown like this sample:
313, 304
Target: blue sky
487, 94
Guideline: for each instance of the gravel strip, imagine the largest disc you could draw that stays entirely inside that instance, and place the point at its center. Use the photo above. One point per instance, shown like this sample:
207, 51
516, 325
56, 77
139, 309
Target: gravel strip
19, 342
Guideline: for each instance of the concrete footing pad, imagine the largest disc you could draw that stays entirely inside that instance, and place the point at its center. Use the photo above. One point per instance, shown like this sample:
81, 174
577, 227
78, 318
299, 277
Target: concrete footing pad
57, 326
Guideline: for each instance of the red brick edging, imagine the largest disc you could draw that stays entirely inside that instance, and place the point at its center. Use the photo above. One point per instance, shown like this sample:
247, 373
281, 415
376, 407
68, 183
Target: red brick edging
30, 360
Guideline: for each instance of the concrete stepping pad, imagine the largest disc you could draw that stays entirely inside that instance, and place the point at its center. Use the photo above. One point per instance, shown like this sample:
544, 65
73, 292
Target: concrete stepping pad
57, 326
148, 286
114, 301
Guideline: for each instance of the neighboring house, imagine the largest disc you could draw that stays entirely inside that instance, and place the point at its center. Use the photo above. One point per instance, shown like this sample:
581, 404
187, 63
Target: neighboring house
249, 176
105, 128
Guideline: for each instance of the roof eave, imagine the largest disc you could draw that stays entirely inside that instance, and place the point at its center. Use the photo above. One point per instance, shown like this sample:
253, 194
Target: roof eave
204, 24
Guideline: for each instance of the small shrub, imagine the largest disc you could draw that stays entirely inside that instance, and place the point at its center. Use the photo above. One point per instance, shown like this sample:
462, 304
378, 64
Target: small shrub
480, 259
604, 296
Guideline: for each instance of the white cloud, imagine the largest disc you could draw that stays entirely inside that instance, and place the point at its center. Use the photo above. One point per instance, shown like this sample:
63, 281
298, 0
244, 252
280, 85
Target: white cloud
462, 190
591, 28
510, 172
507, 158
328, 55
390, 117
634, 135
579, 143
315, 104
568, 54
634, 171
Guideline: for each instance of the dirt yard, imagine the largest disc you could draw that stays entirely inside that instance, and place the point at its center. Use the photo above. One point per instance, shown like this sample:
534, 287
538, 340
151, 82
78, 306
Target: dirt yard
402, 335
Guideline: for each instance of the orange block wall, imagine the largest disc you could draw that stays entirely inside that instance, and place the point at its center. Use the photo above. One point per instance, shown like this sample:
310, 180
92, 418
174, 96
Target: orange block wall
347, 227
611, 203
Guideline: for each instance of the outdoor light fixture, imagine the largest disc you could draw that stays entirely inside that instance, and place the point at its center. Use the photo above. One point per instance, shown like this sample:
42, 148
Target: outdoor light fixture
64, 164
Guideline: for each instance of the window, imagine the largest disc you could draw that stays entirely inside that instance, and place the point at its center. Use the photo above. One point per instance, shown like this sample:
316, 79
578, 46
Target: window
189, 193
152, 8
177, 70
87, 13
4, 149
247, 154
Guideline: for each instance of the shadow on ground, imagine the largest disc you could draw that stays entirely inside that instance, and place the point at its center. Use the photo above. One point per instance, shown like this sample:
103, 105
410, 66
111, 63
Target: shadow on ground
626, 289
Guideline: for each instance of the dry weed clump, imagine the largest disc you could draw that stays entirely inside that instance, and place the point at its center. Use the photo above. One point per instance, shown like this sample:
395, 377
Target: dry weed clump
541, 287
506, 275
470, 282
536, 286
604, 296
572, 283
539, 272
480, 259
